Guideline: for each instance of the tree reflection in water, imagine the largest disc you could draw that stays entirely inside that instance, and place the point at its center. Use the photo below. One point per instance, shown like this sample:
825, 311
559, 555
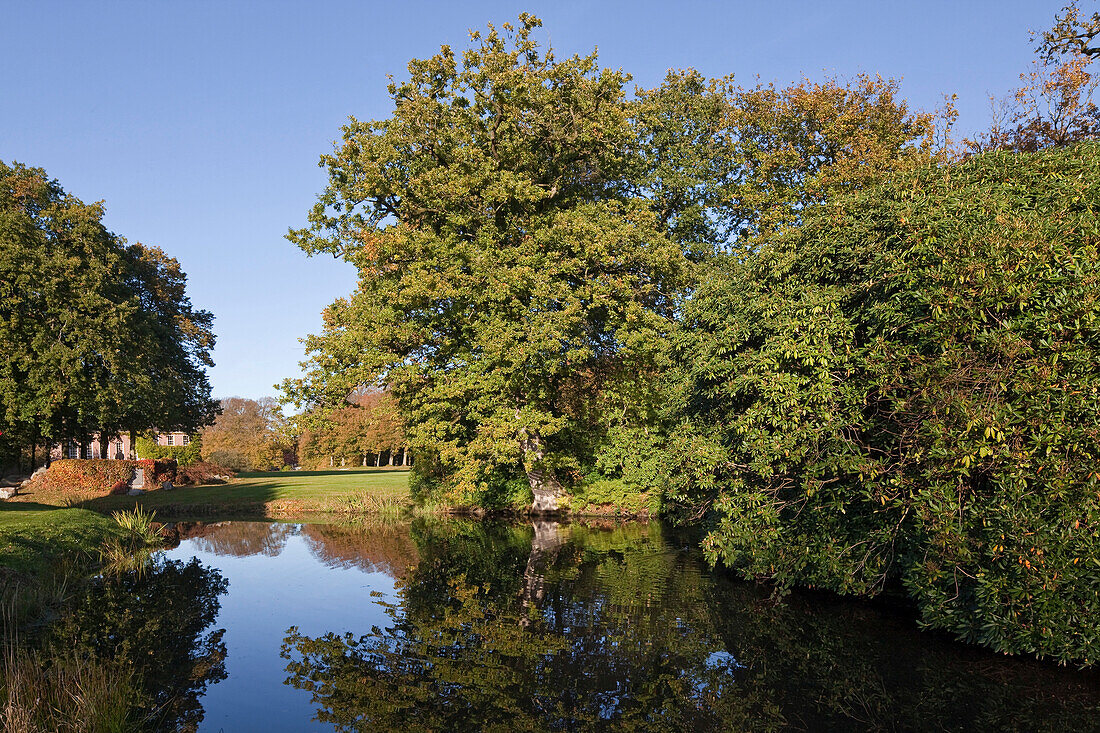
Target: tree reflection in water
243, 539
370, 545
154, 621
576, 628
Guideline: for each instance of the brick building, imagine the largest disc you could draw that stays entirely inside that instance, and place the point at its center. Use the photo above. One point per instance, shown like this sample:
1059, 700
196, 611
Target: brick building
119, 448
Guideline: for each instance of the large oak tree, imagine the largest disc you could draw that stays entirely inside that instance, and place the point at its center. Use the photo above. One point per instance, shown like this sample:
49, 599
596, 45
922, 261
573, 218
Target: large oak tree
512, 291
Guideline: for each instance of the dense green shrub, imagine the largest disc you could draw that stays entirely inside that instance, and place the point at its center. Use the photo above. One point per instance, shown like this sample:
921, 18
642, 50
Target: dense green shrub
906, 389
504, 489
613, 496
183, 455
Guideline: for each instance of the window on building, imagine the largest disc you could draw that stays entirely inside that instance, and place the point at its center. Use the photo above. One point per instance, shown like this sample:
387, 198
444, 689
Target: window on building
74, 450
171, 440
187, 440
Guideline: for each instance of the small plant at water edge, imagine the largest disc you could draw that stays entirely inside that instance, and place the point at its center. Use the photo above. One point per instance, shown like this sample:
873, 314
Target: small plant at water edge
138, 523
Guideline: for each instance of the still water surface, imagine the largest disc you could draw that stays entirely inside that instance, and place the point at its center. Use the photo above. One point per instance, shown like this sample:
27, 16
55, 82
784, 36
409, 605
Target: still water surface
465, 625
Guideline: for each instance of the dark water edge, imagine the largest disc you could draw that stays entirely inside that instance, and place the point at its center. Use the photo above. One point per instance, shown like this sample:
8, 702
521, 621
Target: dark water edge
445, 624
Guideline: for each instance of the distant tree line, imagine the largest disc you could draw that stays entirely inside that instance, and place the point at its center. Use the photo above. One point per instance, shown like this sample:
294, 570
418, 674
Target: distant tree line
255, 435
97, 336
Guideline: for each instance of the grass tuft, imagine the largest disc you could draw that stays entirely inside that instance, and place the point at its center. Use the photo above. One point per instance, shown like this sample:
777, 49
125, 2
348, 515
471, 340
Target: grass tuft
138, 524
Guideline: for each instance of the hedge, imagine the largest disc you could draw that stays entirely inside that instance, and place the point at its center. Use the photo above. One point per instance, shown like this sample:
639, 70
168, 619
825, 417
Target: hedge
99, 476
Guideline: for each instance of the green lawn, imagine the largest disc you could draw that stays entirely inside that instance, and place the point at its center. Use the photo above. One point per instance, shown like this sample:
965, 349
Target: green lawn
283, 492
34, 539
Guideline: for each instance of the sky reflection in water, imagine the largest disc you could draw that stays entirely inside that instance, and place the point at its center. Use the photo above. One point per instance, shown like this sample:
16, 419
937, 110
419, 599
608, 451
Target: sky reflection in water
276, 580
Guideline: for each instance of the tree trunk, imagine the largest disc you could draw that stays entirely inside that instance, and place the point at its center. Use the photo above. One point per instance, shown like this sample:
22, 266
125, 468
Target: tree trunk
405, 458
544, 484
393, 455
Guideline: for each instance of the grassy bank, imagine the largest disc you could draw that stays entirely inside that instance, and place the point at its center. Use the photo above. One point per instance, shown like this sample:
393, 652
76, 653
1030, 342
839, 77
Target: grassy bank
34, 541
276, 494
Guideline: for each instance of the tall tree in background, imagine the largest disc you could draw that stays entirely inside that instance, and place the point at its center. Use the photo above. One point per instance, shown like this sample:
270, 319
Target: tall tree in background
369, 425
95, 335
507, 279
246, 436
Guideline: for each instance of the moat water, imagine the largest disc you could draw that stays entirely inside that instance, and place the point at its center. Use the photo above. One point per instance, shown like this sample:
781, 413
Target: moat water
465, 625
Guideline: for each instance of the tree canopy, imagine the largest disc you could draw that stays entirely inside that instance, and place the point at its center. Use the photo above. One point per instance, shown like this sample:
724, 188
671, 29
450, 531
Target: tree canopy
100, 335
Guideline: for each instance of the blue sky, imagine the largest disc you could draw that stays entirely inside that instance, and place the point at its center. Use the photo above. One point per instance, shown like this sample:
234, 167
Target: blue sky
200, 123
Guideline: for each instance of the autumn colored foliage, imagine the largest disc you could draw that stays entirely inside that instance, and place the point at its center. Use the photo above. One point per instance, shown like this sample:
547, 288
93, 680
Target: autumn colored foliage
90, 478
246, 435
364, 431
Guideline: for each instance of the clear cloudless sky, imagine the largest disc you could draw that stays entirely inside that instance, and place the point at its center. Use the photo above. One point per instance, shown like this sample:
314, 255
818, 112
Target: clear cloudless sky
200, 123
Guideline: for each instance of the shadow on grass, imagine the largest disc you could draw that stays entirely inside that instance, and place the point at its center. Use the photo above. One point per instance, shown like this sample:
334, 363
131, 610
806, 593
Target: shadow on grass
26, 506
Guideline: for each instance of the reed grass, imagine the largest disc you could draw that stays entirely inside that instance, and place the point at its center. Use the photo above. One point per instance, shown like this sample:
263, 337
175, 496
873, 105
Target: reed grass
48, 556
374, 504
